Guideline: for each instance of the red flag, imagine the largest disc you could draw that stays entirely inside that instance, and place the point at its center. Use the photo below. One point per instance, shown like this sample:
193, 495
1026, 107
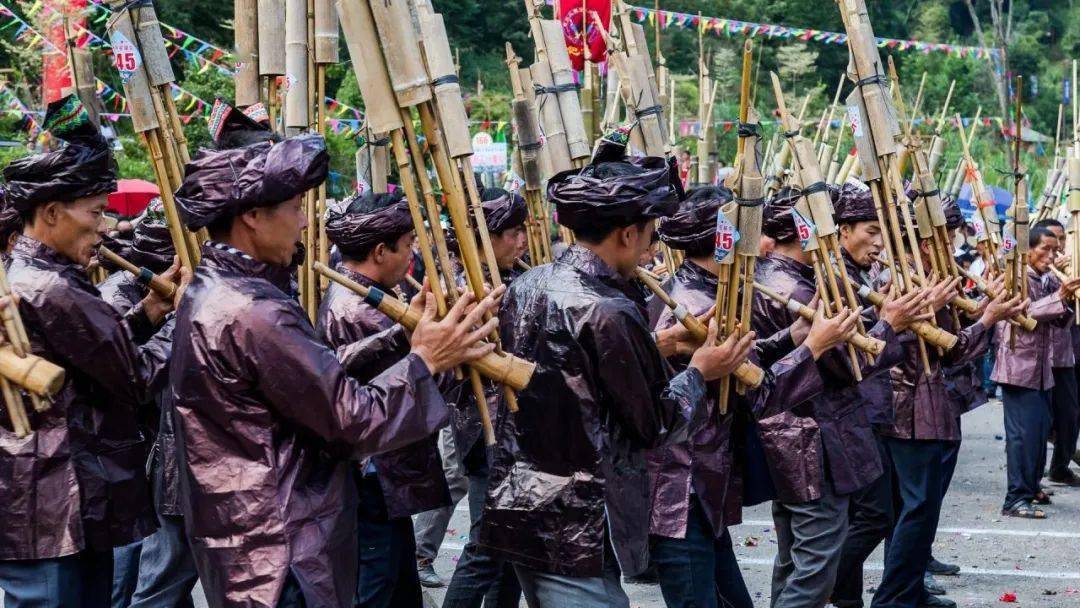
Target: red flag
57, 78
572, 14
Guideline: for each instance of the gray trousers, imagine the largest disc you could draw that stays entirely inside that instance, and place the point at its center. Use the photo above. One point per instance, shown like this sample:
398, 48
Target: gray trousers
810, 536
545, 590
430, 526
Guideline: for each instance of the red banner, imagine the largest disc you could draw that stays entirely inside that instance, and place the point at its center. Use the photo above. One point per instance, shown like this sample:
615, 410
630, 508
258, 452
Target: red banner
57, 81
577, 27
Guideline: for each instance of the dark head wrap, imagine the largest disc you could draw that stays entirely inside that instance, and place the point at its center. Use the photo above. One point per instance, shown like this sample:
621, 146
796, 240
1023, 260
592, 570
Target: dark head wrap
693, 226
81, 169
10, 220
954, 218
503, 210
226, 183
231, 128
615, 194
853, 205
359, 223
151, 245
778, 221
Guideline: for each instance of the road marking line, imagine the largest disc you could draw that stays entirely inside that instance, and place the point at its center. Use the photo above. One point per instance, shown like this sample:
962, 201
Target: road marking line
878, 566
972, 531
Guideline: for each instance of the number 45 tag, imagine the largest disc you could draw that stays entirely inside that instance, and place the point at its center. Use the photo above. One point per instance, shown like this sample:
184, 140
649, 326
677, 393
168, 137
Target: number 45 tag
126, 56
726, 237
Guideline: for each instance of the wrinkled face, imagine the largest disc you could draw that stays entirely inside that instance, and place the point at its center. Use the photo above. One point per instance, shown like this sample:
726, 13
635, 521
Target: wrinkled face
395, 262
509, 245
276, 230
1042, 255
863, 242
76, 228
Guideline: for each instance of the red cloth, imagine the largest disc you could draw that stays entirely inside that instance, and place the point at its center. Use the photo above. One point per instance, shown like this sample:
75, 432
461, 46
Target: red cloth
571, 16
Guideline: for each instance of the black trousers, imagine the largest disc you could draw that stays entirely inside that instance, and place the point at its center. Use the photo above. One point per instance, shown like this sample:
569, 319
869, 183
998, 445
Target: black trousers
870, 518
919, 468
387, 553
699, 571
480, 578
1065, 408
1027, 427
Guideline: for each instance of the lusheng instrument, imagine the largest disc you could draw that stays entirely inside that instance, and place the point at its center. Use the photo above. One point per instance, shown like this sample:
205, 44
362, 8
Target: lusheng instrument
838, 292
394, 79
20, 370
153, 111
747, 373
508, 370
145, 276
869, 345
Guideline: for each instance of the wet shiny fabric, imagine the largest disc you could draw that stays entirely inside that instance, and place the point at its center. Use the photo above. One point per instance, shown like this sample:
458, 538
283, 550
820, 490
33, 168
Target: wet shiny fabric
571, 463
875, 390
86, 455
706, 464
411, 477
267, 420
828, 437
1028, 362
922, 406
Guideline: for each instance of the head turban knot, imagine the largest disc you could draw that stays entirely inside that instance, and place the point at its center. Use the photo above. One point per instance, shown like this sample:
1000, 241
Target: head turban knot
693, 226
82, 168
614, 193
356, 232
225, 183
503, 210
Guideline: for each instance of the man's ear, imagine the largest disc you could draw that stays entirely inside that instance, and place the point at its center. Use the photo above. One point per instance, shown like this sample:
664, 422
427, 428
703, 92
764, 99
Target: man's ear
377, 253
251, 219
49, 213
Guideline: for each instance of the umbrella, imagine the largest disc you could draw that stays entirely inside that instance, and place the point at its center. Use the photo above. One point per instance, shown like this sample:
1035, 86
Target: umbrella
132, 196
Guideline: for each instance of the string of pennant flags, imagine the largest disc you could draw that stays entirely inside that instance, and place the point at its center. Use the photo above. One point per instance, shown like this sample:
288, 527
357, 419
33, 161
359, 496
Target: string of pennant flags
722, 26
692, 128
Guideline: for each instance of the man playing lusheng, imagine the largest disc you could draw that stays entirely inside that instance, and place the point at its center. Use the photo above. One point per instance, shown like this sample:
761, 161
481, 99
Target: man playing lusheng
267, 415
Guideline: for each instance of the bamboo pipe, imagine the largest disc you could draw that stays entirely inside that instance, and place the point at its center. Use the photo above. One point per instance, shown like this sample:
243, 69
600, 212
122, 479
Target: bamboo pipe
20, 421
1023, 320
505, 369
144, 275
33, 373
934, 335
246, 38
747, 373
869, 345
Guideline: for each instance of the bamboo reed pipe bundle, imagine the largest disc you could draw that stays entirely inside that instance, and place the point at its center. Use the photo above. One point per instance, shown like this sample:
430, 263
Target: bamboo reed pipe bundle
505, 369
933, 335
529, 147
562, 75
747, 373
149, 118
869, 345
145, 276
246, 38
18, 366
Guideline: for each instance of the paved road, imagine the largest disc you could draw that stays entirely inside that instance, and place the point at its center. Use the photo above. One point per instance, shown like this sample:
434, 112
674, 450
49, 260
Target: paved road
1039, 561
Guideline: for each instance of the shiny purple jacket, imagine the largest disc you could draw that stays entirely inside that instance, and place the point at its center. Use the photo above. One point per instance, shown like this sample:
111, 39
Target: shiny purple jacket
267, 420
876, 389
828, 437
1028, 363
709, 461
411, 478
922, 405
78, 480
570, 464
122, 291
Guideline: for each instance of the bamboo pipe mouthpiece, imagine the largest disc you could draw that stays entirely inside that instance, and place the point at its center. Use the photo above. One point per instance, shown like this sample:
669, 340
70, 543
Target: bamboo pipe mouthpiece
505, 369
31, 372
934, 335
749, 374
157, 284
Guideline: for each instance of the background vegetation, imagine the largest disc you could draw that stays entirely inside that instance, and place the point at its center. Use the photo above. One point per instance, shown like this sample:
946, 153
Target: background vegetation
1043, 39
